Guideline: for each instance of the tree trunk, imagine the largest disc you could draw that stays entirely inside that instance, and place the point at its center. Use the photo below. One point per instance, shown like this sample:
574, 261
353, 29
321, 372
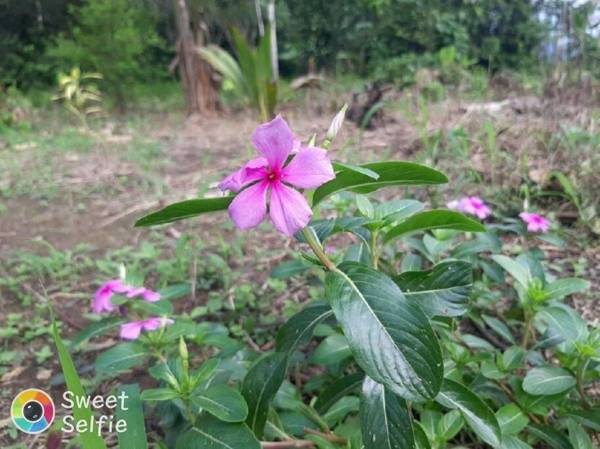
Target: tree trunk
274, 51
196, 75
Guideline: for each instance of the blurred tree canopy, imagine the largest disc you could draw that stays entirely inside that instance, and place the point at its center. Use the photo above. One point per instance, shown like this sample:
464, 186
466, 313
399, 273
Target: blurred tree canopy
134, 40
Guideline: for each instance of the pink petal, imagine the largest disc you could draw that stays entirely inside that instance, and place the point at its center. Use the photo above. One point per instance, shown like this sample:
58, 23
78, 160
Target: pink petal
132, 293
252, 171
117, 286
249, 207
275, 141
150, 296
102, 300
309, 169
288, 208
131, 331
152, 324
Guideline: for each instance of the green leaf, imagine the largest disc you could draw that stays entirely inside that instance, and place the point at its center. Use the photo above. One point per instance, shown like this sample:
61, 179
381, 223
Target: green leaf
499, 327
513, 358
443, 290
185, 209
159, 394
342, 166
89, 437
299, 328
554, 438
133, 414
548, 380
516, 269
121, 358
421, 440
95, 329
260, 386
563, 322
511, 419
450, 424
338, 389
588, 418
222, 402
397, 210
476, 412
390, 174
289, 268
512, 442
385, 420
578, 437
211, 433
434, 219
332, 350
391, 338
565, 287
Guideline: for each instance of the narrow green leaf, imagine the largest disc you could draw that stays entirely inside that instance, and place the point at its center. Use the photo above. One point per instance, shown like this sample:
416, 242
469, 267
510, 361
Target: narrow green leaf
434, 219
211, 433
444, 290
133, 415
554, 438
476, 412
341, 166
385, 420
578, 437
299, 328
332, 350
260, 386
565, 287
222, 402
338, 389
89, 437
548, 380
159, 394
185, 209
511, 419
390, 174
499, 327
289, 268
390, 337
516, 269
120, 358
95, 329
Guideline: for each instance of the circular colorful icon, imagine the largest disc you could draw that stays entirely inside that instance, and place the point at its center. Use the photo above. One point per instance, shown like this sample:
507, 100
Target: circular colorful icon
32, 411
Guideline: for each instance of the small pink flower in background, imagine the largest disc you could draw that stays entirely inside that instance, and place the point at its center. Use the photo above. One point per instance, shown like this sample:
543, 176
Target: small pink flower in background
102, 299
472, 205
289, 211
132, 330
535, 222
147, 294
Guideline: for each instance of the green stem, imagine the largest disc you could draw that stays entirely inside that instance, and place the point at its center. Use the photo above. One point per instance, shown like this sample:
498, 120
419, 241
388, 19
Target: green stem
528, 329
374, 249
315, 245
580, 380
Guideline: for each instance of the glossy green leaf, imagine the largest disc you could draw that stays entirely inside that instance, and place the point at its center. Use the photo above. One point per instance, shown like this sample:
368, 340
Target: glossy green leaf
548, 380
338, 389
499, 327
133, 415
565, 287
332, 350
516, 269
185, 209
450, 424
385, 420
222, 402
513, 358
421, 440
260, 386
95, 329
390, 337
588, 418
121, 357
511, 419
289, 268
477, 414
89, 437
512, 442
299, 328
159, 394
562, 322
390, 174
578, 436
434, 219
554, 438
443, 290
342, 166
397, 210
211, 433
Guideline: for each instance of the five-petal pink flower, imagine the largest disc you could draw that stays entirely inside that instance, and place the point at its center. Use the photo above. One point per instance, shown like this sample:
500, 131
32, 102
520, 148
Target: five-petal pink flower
535, 222
132, 330
472, 205
271, 176
102, 299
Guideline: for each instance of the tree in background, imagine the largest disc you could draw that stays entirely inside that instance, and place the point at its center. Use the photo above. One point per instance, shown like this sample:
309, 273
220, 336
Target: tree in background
113, 37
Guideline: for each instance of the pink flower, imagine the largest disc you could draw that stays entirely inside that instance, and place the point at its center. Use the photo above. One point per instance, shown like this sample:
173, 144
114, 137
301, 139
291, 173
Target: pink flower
132, 330
535, 222
147, 294
309, 168
102, 299
472, 205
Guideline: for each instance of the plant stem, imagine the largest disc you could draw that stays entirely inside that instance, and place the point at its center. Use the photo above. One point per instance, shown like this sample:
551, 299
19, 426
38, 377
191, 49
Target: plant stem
528, 330
374, 250
327, 436
315, 245
580, 388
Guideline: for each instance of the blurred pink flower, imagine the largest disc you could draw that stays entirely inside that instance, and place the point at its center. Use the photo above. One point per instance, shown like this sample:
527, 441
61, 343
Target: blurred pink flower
132, 330
535, 222
102, 299
472, 205
309, 168
147, 294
